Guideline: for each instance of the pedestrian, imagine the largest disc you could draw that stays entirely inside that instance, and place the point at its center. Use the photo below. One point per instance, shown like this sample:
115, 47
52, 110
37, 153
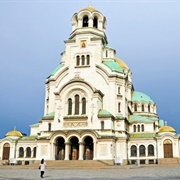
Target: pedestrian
42, 168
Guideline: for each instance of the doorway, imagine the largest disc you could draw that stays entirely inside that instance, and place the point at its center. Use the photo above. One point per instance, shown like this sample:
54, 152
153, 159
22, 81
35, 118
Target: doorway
60, 149
6, 151
168, 150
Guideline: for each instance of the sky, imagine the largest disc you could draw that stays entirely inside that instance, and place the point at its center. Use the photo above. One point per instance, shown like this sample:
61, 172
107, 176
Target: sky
145, 35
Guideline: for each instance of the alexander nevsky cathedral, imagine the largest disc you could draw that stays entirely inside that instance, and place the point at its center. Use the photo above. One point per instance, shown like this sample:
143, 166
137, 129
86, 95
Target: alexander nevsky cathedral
91, 109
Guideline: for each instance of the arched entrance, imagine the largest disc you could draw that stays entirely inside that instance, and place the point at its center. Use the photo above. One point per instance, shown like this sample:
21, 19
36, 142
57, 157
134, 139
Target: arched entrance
168, 150
74, 149
88, 148
6, 151
59, 149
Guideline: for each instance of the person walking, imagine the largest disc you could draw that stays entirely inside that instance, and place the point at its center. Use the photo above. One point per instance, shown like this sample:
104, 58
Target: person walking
42, 167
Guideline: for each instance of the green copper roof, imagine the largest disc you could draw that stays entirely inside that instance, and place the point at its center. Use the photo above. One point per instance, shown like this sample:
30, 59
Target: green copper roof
28, 138
49, 116
135, 118
140, 97
34, 125
104, 113
161, 123
113, 65
142, 135
56, 69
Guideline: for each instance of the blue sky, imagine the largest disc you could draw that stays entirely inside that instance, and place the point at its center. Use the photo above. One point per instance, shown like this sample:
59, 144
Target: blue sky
145, 34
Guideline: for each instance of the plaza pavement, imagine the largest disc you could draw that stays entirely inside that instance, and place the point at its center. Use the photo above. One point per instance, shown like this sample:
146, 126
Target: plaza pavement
154, 172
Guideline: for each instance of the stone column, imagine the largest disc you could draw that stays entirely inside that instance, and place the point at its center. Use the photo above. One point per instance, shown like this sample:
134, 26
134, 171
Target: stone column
67, 151
81, 150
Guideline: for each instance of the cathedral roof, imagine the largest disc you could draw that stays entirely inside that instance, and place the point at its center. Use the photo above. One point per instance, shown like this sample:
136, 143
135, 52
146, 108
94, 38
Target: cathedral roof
113, 65
121, 63
141, 97
14, 133
166, 129
136, 118
90, 9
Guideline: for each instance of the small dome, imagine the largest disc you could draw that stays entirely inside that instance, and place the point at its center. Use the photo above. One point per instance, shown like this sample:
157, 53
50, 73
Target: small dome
166, 129
14, 133
121, 63
140, 97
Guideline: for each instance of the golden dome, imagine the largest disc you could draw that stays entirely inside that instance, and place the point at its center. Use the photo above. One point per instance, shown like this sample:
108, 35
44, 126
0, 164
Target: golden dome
89, 8
14, 133
166, 129
121, 63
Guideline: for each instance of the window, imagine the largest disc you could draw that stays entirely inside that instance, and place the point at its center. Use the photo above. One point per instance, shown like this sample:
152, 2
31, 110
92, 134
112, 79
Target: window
21, 152
119, 107
76, 104
83, 60
106, 53
69, 106
150, 150
134, 127
83, 106
142, 127
34, 152
49, 126
149, 107
142, 107
133, 151
95, 22
28, 152
77, 60
142, 150
135, 107
119, 90
88, 59
102, 125
85, 21
138, 128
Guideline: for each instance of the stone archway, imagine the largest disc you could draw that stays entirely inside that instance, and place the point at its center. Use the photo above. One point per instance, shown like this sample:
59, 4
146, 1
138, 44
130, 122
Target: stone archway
60, 148
88, 148
6, 151
74, 149
168, 149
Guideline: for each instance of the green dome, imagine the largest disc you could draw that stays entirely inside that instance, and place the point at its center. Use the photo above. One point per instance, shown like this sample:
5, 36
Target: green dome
141, 97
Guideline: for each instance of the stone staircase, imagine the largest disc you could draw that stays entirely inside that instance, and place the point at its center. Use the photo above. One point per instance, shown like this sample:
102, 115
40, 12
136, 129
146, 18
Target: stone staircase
169, 161
73, 164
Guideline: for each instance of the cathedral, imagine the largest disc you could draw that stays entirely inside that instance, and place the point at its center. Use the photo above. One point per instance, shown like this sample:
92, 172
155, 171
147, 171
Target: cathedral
91, 109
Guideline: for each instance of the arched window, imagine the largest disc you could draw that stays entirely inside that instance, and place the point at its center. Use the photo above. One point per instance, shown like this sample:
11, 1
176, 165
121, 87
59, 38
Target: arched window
77, 60
142, 150
142, 107
34, 152
134, 127
28, 152
69, 106
133, 151
83, 60
149, 107
142, 127
49, 126
106, 53
85, 21
76, 104
135, 107
150, 150
83, 106
95, 22
88, 59
119, 107
102, 125
21, 152
138, 128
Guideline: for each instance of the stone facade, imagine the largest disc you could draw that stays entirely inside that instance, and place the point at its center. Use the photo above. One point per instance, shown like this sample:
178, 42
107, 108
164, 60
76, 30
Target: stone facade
92, 111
